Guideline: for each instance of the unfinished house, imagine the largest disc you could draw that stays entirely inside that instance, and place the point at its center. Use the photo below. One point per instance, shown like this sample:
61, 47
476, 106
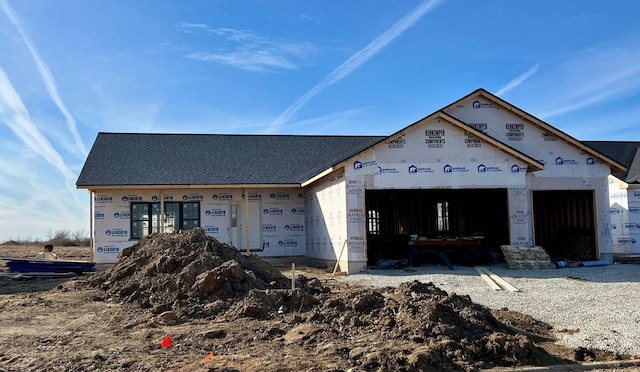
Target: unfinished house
475, 175
624, 195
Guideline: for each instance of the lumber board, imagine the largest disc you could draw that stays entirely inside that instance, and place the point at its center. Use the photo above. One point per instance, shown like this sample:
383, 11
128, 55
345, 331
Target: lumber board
488, 280
496, 278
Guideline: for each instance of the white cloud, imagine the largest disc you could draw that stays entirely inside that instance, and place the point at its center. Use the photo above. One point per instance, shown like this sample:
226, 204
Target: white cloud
593, 76
356, 60
248, 51
47, 77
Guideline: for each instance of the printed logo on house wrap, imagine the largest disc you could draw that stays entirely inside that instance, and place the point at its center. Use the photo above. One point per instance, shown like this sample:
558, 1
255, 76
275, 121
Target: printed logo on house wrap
297, 210
397, 143
216, 212
211, 229
222, 196
634, 210
269, 228
450, 169
618, 195
479, 105
288, 243
168, 198
482, 127
636, 193
272, 211
415, 169
131, 198
253, 196
562, 161
123, 215
154, 198
109, 249
626, 241
591, 161
615, 211
355, 215
294, 227
483, 168
359, 165
103, 199
192, 197
356, 243
116, 232
265, 245
386, 170
279, 196
516, 168
632, 226
98, 215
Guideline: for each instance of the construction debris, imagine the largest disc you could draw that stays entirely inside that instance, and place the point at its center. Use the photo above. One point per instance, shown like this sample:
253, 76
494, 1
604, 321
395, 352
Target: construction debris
494, 280
518, 257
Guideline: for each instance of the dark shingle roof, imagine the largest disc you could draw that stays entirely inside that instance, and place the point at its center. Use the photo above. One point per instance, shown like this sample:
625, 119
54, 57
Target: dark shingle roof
210, 159
626, 153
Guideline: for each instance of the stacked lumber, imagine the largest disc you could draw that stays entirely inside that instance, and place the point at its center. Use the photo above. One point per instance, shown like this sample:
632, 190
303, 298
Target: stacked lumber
518, 257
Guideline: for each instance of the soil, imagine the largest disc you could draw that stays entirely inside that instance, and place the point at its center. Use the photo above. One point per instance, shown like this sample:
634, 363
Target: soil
185, 302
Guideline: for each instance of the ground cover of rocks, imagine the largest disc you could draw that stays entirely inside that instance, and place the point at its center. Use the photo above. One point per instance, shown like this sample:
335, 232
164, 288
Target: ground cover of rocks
185, 302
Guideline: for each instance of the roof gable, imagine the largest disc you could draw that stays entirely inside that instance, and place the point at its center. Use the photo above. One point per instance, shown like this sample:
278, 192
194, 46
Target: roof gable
532, 164
477, 97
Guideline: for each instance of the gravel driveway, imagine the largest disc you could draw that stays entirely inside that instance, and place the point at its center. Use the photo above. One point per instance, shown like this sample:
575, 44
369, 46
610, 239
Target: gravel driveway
591, 307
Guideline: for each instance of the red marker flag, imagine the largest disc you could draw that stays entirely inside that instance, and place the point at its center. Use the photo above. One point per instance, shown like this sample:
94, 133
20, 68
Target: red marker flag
208, 357
166, 342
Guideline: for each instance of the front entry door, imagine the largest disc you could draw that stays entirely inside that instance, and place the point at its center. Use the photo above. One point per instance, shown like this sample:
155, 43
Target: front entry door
254, 226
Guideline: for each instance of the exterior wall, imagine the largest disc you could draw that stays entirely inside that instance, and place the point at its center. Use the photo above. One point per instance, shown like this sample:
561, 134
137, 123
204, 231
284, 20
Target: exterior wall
326, 220
624, 214
632, 227
434, 154
281, 218
566, 166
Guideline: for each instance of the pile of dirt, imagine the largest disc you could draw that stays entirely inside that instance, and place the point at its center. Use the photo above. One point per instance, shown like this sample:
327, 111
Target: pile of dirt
187, 275
184, 271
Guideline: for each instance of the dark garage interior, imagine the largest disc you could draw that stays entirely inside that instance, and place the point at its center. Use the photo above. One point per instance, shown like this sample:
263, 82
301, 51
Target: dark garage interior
394, 217
564, 224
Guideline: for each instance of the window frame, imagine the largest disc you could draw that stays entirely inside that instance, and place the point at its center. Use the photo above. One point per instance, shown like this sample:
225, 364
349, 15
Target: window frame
156, 224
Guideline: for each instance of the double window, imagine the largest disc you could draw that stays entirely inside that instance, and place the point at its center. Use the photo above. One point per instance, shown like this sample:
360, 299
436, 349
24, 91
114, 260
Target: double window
145, 218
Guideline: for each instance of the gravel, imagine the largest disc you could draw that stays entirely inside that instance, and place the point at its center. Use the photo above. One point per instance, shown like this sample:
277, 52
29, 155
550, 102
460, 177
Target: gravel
590, 307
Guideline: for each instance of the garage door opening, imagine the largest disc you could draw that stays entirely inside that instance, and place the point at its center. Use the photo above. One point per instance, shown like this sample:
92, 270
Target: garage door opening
396, 216
564, 224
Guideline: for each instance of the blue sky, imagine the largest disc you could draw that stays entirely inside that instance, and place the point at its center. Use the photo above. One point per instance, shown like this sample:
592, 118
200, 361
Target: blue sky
70, 69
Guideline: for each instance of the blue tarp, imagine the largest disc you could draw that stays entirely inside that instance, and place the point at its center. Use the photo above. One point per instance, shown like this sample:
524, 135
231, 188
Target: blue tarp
25, 265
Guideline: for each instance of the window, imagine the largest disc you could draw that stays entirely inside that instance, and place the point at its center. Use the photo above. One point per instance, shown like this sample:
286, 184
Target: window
373, 222
145, 218
442, 216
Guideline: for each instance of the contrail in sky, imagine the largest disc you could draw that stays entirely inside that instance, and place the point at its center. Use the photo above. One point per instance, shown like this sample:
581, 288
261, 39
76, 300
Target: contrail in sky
17, 118
357, 59
47, 77
517, 81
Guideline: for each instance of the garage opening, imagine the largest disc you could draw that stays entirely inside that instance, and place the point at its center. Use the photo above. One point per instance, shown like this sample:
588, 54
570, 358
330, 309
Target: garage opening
564, 224
394, 217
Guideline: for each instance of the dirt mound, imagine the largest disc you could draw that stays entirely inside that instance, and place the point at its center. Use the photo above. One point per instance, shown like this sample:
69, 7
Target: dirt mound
416, 326
184, 271
188, 275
